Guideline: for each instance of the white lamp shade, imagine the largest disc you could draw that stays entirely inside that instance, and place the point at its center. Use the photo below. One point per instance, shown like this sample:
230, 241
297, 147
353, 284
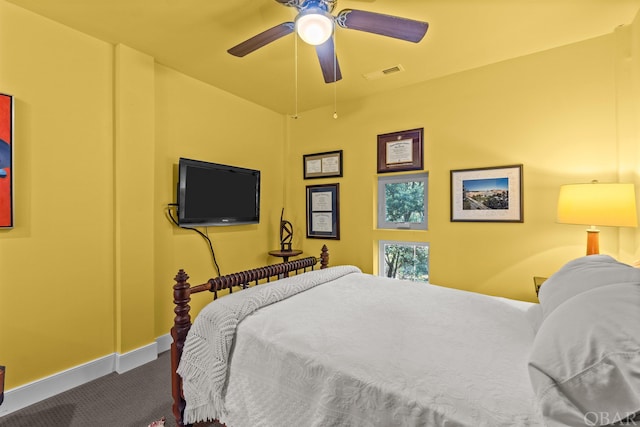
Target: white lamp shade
314, 26
606, 204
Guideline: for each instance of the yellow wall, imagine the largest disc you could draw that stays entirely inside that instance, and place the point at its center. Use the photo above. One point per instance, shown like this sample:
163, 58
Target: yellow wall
87, 270
197, 121
629, 59
554, 112
56, 265
133, 206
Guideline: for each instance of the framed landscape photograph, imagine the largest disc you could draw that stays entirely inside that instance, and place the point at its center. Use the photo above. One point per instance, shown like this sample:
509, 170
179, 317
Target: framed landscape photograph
323, 211
491, 194
322, 165
400, 151
6, 161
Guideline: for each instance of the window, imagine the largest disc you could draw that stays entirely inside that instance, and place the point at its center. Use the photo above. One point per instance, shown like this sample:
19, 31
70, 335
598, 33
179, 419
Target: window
404, 260
402, 201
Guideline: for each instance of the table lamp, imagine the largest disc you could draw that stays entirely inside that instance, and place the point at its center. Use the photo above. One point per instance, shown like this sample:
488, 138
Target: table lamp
597, 204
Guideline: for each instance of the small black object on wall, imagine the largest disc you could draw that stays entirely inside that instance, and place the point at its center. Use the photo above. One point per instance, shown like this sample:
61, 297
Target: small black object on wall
2, 369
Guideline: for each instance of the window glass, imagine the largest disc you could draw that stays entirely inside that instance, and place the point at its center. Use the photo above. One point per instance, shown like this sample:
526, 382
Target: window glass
402, 202
404, 260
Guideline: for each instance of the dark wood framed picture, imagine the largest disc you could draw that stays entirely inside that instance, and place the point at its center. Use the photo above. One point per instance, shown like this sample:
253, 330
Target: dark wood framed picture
400, 151
322, 165
323, 211
6, 161
492, 194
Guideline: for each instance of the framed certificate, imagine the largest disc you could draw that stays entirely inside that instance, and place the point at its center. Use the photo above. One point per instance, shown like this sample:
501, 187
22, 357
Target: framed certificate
400, 151
322, 165
323, 213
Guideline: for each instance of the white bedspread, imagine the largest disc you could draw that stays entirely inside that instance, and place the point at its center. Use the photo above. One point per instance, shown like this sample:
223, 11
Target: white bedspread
369, 351
204, 362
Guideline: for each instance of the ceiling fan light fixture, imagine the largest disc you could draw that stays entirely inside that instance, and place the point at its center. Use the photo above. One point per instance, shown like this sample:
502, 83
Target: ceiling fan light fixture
314, 25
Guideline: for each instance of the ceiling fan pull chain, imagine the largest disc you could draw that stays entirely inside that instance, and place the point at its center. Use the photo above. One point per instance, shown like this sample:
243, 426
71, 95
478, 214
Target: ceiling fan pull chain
295, 74
335, 72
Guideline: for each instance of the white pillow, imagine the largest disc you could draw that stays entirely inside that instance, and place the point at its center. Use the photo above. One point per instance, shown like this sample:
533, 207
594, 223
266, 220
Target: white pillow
581, 275
585, 360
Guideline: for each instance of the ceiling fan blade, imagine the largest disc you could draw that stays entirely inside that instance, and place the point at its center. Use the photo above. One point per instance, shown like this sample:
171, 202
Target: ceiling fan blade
262, 39
385, 25
329, 61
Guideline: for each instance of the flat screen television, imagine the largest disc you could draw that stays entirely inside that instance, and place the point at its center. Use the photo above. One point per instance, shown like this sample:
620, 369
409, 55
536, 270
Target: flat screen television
211, 194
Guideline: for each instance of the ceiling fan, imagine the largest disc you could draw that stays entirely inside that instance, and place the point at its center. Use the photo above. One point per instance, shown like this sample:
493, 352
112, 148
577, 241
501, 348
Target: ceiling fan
315, 25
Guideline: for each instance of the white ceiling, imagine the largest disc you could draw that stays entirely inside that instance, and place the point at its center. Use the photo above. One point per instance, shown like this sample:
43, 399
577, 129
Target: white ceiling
192, 36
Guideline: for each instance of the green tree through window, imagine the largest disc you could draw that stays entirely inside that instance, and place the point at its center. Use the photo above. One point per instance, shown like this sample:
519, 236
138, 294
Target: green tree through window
402, 206
402, 201
405, 201
406, 261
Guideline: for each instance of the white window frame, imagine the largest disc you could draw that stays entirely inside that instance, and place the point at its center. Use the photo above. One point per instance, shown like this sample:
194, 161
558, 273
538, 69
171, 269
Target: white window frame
382, 201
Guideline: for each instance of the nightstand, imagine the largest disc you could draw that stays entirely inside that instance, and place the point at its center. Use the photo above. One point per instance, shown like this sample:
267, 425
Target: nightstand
286, 254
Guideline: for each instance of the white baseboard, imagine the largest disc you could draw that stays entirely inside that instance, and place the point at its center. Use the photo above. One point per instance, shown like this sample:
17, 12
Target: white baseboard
28, 394
138, 357
164, 343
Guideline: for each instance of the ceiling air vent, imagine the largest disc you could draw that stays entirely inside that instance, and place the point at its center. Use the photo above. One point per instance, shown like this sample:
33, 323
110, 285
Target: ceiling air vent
383, 73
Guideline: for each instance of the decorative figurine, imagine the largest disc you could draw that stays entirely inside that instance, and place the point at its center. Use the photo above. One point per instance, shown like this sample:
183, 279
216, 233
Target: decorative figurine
286, 233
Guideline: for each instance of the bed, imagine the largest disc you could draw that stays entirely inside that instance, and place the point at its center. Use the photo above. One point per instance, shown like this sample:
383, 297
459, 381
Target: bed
333, 346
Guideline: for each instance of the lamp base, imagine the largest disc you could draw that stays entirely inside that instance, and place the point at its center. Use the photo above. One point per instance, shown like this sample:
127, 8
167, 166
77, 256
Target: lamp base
593, 241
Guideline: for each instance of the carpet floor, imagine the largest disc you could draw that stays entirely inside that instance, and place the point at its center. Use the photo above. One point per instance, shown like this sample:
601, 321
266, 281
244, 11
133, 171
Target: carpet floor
132, 399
